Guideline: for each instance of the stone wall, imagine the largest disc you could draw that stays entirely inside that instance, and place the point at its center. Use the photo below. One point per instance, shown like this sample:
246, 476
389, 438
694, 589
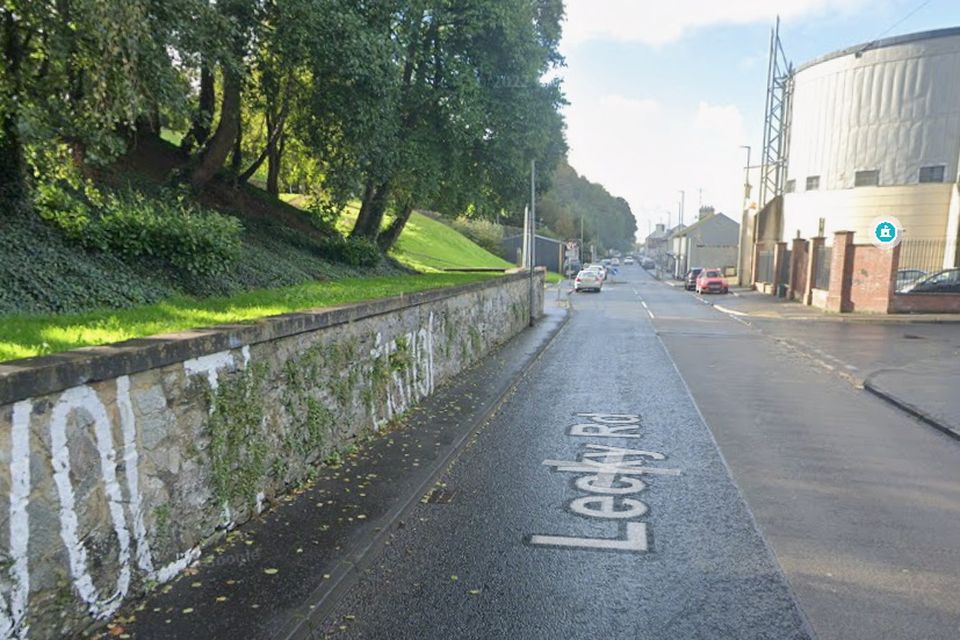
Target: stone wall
120, 463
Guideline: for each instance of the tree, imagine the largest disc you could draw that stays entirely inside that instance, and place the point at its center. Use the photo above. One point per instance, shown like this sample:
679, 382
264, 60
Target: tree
76, 72
443, 135
608, 221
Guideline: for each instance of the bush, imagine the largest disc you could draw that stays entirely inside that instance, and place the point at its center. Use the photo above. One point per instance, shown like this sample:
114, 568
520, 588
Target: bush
485, 233
356, 252
198, 242
130, 225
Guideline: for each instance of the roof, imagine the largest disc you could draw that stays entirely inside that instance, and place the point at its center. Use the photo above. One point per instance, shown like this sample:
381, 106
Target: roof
699, 223
880, 44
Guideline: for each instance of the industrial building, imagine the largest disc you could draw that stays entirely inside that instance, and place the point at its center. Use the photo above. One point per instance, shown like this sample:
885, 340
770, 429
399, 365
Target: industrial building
862, 133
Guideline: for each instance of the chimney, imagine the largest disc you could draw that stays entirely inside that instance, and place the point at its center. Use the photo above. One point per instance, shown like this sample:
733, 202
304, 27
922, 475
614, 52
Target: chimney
661, 228
705, 211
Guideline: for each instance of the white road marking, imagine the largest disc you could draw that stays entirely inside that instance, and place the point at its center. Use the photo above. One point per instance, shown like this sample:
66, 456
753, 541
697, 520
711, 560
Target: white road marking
652, 317
644, 304
634, 540
611, 472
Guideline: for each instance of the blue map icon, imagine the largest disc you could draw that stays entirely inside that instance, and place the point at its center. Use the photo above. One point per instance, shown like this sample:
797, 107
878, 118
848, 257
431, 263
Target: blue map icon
885, 232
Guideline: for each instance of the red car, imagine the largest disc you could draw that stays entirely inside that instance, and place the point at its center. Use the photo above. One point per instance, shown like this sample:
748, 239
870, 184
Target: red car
711, 281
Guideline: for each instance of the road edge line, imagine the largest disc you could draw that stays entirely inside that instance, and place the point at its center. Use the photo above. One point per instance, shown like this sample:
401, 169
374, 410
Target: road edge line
346, 573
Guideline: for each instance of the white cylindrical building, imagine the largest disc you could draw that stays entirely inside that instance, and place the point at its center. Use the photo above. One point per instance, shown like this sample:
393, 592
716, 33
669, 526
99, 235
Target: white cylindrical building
874, 130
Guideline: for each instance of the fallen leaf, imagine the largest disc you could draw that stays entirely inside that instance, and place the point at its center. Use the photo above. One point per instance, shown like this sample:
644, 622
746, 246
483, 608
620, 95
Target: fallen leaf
474, 592
188, 610
454, 578
271, 571
221, 598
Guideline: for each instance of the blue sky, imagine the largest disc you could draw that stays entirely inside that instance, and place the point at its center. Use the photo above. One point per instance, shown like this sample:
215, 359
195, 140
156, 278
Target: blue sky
663, 93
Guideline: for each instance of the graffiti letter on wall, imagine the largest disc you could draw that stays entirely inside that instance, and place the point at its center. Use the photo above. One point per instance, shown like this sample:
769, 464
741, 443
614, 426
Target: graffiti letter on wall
84, 399
13, 614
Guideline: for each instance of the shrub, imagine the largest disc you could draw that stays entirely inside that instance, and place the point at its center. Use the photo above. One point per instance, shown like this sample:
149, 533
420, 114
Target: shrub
196, 241
130, 225
356, 252
485, 233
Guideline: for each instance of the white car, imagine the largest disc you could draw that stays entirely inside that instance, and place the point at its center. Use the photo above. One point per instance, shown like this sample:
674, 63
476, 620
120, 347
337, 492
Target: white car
615, 262
588, 279
628, 260
597, 267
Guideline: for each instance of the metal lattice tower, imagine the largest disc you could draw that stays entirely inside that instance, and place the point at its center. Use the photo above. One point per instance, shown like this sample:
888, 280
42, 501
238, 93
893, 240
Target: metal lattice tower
776, 126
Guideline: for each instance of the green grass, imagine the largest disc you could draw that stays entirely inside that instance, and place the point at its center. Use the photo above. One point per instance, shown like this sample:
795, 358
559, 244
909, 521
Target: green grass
426, 244
31, 335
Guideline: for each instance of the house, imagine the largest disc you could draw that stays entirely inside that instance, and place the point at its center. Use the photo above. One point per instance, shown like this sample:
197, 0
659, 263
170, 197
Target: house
712, 241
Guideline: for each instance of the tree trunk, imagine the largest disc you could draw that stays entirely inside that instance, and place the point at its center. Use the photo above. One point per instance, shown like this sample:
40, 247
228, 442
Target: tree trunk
237, 158
215, 153
203, 118
14, 195
371, 211
389, 237
274, 155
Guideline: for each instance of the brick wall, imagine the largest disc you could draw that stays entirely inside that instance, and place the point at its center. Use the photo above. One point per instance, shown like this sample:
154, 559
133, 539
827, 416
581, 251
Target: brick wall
925, 303
873, 273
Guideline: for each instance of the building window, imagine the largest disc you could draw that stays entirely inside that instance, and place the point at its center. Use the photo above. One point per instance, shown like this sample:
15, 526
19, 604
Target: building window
932, 174
867, 178
791, 186
813, 183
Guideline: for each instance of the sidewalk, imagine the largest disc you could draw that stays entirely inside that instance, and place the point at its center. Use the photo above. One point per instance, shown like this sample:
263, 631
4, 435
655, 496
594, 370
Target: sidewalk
278, 575
761, 305
912, 372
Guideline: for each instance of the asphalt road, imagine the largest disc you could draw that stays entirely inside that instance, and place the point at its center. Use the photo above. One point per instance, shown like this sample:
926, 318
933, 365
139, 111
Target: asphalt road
599, 502
860, 502
595, 503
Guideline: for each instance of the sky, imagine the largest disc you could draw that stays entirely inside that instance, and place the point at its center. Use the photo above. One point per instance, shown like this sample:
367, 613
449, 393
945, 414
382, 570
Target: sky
663, 93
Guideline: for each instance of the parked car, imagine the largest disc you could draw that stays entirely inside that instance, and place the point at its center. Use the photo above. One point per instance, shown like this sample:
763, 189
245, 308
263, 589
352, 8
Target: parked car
588, 279
691, 281
906, 277
628, 260
615, 262
711, 281
648, 263
946, 281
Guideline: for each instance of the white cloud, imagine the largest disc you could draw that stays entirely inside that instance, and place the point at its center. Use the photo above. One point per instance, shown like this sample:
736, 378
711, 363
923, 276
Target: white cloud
645, 153
658, 22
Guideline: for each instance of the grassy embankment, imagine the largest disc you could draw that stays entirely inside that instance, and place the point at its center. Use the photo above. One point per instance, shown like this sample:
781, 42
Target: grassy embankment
25, 336
58, 295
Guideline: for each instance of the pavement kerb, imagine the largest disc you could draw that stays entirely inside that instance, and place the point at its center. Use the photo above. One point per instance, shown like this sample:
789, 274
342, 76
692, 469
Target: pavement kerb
345, 573
905, 406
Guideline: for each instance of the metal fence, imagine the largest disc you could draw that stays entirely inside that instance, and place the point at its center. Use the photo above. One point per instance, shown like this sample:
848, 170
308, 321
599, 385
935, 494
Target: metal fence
785, 265
764, 266
926, 255
823, 257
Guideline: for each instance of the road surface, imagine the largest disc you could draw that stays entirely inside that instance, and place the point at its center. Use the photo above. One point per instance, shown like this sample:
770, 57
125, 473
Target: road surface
854, 508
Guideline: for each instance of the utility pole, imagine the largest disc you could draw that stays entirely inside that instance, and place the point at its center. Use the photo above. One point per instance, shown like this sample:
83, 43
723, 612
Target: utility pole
533, 232
746, 176
683, 195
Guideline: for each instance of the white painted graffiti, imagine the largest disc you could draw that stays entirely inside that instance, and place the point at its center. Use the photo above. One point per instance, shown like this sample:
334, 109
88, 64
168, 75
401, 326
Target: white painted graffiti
117, 463
124, 502
611, 474
411, 383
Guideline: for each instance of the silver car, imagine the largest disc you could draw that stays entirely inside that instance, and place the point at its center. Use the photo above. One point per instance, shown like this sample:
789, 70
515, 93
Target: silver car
588, 279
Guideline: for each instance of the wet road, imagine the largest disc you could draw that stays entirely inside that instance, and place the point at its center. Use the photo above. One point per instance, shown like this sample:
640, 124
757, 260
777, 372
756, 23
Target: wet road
859, 501
595, 503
